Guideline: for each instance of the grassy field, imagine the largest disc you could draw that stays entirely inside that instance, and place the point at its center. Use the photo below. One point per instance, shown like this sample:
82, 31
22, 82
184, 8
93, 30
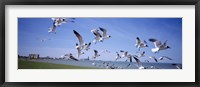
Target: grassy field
22, 64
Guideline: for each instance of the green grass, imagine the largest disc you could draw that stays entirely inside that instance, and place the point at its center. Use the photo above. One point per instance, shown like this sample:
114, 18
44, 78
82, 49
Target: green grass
41, 65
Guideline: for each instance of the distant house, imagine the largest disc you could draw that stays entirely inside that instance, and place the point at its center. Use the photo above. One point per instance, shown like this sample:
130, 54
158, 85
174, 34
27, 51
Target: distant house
34, 56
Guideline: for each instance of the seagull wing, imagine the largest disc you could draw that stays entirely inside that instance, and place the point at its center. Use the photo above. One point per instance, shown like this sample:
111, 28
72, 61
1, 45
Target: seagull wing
104, 31
138, 61
167, 57
154, 58
130, 58
165, 43
97, 34
95, 52
156, 42
145, 42
79, 37
118, 54
72, 57
161, 58
126, 53
88, 45
137, 40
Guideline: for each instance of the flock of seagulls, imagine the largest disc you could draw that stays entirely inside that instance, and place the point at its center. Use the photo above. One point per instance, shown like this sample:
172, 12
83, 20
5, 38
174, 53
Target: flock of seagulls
102, 34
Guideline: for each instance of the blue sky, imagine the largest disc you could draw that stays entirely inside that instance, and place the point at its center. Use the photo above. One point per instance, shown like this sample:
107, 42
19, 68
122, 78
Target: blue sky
123, 31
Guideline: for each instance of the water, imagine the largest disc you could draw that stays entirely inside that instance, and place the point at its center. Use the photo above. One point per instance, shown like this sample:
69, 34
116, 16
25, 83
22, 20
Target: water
102, 64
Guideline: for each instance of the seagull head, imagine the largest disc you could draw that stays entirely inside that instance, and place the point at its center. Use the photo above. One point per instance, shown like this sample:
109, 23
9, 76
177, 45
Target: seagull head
109, 36
76, 44
62, 19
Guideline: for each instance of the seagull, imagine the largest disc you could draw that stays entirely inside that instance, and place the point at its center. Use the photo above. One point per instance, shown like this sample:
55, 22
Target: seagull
96, 54
81, 44
105, 36
178, 66
57, 22
43, 39
105, 51
139, 64
72, 57
141, 54
98, 36
118, 56
152, 57
158, 45
125, 53
87, 47
140, 44
164, 57
60, 21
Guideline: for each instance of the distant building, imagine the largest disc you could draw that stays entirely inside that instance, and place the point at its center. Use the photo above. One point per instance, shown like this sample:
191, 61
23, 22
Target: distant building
34, 56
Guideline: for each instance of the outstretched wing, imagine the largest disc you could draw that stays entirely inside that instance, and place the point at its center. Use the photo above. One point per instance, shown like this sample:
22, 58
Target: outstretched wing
137, 40
137, 61
73, 58
95, 52
156, 42
104, 31
79, 37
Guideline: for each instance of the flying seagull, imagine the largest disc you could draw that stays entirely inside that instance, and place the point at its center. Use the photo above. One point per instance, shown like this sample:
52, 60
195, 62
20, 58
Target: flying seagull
164, 57
87, 47
96, 54
72, 57
178, 66
118, 56
60, 21
43, 39
140, 44
125, 53
105, 35
154, 58
57, 22
158, 45
81, 44
139, 64
141, 54
98, 37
